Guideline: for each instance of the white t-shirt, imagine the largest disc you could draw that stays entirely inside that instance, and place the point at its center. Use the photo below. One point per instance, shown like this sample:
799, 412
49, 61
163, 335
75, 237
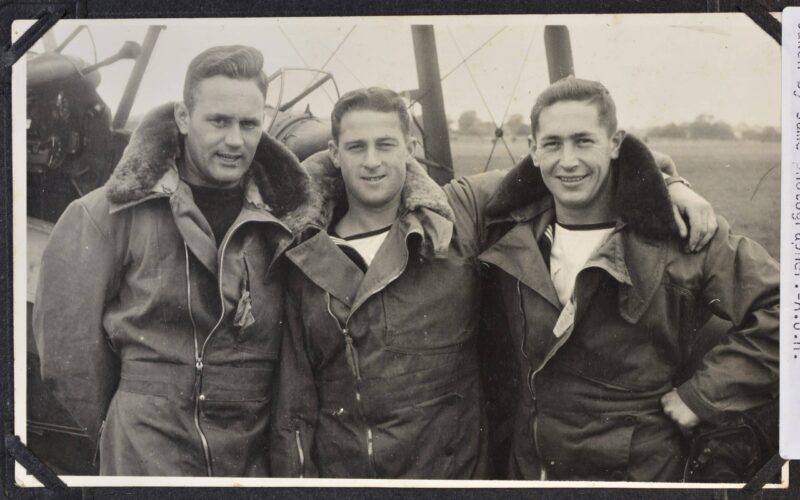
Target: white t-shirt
572, 247
366, 244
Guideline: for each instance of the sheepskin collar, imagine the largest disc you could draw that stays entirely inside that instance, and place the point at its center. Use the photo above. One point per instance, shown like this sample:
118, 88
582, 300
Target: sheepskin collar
421, 197
641, 198
276, 181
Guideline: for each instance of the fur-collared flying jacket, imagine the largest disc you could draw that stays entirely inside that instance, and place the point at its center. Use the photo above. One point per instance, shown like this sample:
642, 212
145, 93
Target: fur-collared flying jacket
589, 398
143, 323
379, 373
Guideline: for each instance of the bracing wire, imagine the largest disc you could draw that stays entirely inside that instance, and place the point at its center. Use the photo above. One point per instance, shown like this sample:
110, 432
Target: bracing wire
303, 59
510, 100
472, 77
489, 159
452, 70
758, 184
519, 78
293, 46
498, 127
314, 78
349, 70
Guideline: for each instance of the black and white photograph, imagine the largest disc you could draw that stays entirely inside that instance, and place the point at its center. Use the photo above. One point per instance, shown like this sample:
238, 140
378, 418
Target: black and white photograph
454, 251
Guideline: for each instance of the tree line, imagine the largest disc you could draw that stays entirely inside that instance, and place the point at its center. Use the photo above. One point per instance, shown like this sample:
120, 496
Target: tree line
703, 127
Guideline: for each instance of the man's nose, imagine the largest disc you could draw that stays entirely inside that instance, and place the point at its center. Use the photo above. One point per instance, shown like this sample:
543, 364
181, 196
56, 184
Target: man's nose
569, 158
372, 159
234, 137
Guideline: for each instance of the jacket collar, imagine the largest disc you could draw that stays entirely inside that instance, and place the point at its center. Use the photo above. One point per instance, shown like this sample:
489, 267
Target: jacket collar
424, 208
635, 254
424, 213
641, 197
148, 168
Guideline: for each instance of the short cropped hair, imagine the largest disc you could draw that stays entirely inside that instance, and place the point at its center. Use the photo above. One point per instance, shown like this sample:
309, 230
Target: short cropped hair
234, 61
575, 89
373, 99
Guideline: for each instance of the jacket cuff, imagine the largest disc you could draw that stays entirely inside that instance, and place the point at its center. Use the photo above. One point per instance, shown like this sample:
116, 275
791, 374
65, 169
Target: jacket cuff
696, 402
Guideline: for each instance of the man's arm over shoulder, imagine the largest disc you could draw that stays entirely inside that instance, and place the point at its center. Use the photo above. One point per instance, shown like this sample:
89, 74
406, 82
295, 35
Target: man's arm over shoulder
79, 275
468, 196
741, 284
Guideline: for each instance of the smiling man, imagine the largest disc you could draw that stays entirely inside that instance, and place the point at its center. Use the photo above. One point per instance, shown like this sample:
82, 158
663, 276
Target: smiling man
379, 369
586, 270
158, 315
379, 372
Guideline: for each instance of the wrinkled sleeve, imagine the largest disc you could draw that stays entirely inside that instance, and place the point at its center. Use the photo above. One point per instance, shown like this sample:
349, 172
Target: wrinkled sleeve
292, 438
741, 285
468, 197
78, 276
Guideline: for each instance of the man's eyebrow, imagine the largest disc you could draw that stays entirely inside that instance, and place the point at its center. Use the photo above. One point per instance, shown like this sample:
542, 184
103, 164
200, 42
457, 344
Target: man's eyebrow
550, 138
223, 116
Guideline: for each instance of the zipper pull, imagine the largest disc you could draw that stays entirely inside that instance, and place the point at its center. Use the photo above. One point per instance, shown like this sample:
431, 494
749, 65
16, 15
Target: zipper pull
352, 354
199, 364
300, 454
96, 459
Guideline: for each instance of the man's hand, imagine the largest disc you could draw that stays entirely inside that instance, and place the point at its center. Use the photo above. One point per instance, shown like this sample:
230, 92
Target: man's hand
665, 163
677, 410
702, 220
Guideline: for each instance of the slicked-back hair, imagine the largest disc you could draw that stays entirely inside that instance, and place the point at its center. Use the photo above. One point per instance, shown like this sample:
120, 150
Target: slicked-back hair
373, 99
575, 89
234, 61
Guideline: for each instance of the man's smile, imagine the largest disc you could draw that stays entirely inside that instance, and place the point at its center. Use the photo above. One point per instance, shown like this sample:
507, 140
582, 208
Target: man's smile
374, 178
571, 179
229, 157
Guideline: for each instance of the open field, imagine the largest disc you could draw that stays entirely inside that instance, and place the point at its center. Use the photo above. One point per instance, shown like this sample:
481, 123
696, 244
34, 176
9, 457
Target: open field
725, 172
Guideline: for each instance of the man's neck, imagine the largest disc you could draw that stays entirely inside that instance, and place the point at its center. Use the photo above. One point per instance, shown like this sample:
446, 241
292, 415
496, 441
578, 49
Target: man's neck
360, 219
579, 217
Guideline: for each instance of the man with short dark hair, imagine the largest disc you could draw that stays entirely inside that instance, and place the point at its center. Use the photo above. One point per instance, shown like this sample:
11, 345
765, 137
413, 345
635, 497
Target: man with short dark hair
379, 369
587, 273
379, 373
159, 310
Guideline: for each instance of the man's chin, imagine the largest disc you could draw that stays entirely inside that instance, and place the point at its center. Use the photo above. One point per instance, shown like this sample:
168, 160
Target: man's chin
226, 174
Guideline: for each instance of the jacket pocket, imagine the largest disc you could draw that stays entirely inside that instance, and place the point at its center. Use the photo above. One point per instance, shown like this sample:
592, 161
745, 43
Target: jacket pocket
423, 440
584, 446
433, 307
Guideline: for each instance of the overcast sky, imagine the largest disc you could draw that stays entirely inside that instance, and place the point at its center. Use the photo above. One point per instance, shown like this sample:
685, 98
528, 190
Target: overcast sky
659, 68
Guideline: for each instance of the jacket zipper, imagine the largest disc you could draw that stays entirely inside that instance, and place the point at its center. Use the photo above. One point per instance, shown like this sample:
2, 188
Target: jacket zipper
531, 375
352, 359
300, 455
198, 370
200, 355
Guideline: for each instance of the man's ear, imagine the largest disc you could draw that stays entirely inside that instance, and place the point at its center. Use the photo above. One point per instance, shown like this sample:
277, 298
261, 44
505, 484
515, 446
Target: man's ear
616, 142
533, 150
182, 117
411, 145
333, 153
